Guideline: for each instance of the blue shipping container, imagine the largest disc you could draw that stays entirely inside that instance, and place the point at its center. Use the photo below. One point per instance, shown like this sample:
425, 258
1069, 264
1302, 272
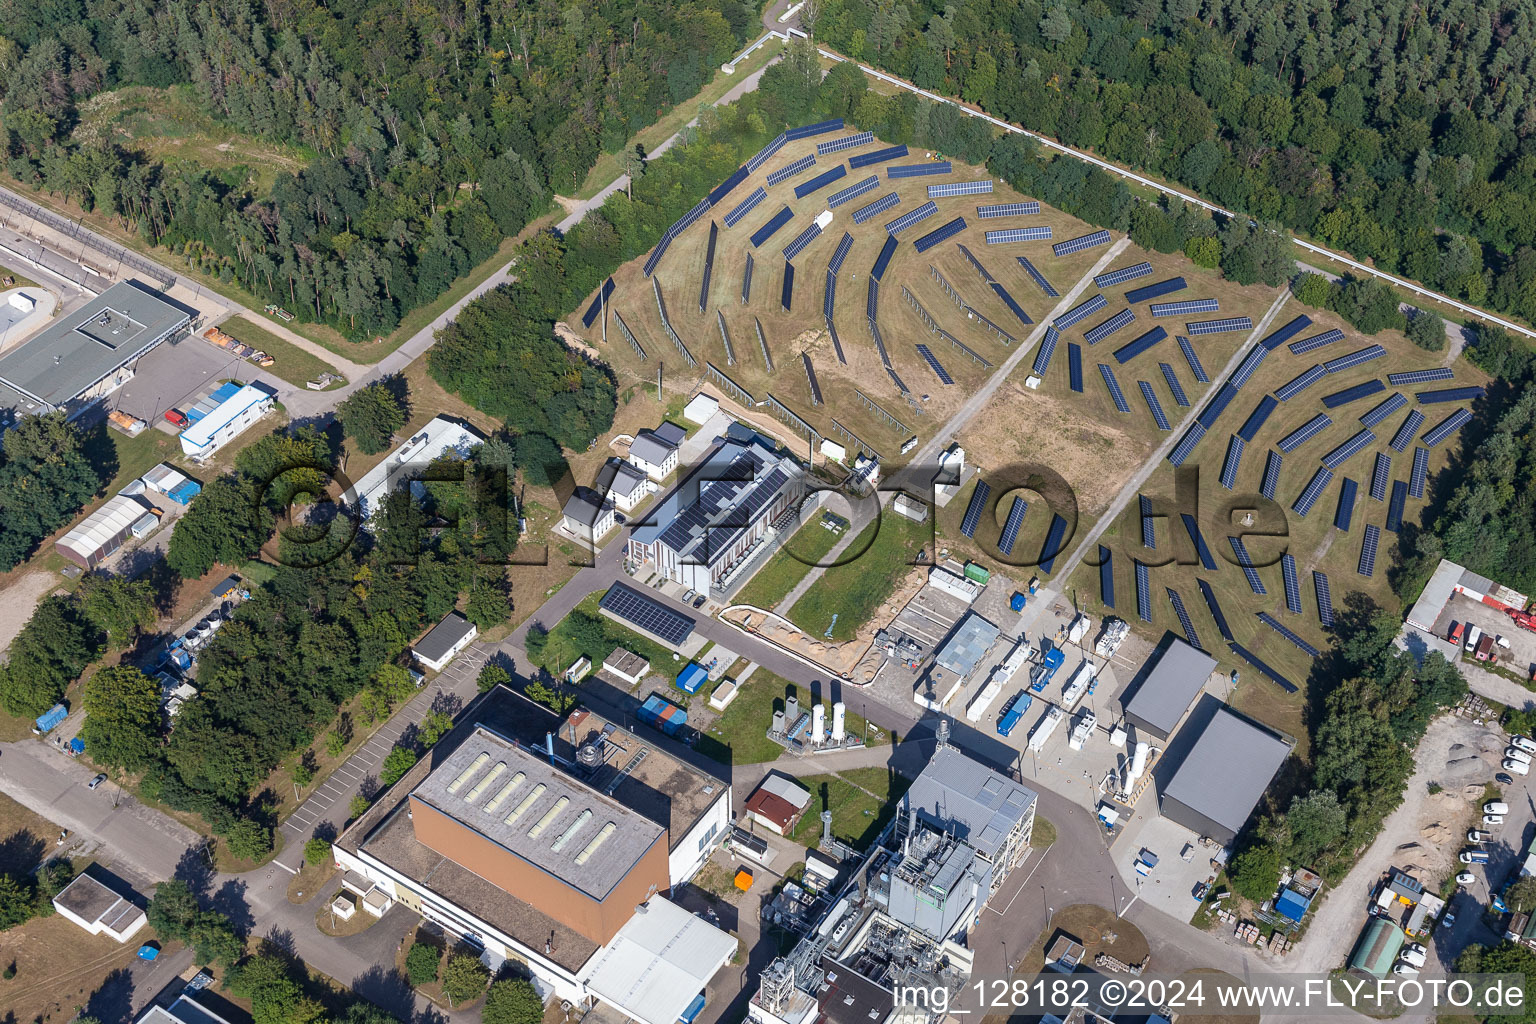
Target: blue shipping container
184, 492
50, 718
694, 1008
1013, 712
691, 678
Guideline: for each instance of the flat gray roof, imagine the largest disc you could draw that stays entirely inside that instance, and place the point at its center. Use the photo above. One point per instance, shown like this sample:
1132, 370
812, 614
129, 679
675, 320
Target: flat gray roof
505, 793
1171, 686
967, 644
1227, 770
970, 800
1435, 594
441, 638
79, 348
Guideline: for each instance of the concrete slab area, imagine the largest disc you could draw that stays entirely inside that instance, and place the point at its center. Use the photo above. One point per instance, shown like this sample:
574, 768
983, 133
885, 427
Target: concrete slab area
1520, 656
1170, 885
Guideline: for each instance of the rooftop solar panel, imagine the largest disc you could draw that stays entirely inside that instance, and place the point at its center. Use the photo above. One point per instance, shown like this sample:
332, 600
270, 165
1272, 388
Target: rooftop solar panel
875, 208
1143, 591
1186, 445
1395, 505
1271, 479
1420, 473
1075, 367
1198, 539
1154, 406
1245, 561
1313, 491
1037, 277
1232, 462
1292, 584
935, 365
641, 610
1381, 472
939, 234
1449, 395
1231, 323
1257, 418
1306, 345
1005, 235
1386, 407
774, 223
1106, 577
1354, 394
977, 506
1148, 522
1184, 308
1304, 433
1367, 564
1420, 376
1053, 540
1248, 366
1355, 358
911, 217
852, 192
1410, 426
1080, 243
1120, 320
1114, 277
918, 170
1161, 288
745, 207
1274, 624
1324, 598
1344, 511
820, 182
1010, 534
1007, 210
1299, 383
1193, 360
1081, 311
1175, 388
846, 142
1350, 448
1045, 352
800, 241
879, 156
1130, 350
1115, 394
1446, 427
959, 188
1277, 338
1215, 609
791, 169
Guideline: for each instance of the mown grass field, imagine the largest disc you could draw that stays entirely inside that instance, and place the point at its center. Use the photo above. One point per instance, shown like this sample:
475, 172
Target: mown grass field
862, 802
290, 362
868, 572
740, 734
808, 547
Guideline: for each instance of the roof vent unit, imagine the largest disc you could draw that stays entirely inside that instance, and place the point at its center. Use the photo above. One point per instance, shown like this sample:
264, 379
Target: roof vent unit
590, 755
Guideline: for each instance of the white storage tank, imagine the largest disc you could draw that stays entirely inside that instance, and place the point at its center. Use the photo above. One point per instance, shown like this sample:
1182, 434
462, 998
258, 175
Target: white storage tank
818, 723
839, 721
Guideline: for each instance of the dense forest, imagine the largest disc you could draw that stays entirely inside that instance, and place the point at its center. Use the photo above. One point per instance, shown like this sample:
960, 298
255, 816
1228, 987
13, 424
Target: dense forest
434, 130
1400, 132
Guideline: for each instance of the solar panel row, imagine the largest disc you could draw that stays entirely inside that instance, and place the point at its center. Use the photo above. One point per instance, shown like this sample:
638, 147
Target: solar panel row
875, 208
1183, 614
787, 293
986, 275
1193, 360
1148, 522
1075, 367
877, 272
879, 156
846, 142
1445, 428
1052, 546
1217, 405
1153, 291
911, 217
791, 169
1007, 210
1354, 394
1344, 511
1420, 376
805, 131
820, 182
1106, 577
1186, 307
841, 253
1230, 464
774, 223
1367, 564
1257, 418
1080, 243
1312, 491
1299, 383
1037, 277
1215, 609
1143, 591
1198, 539
959, 188
1153, 405
1355, 358
935, 365
1324, 597
1306, 345
829, 300
1410, 426
1115, 394
1245, 561
1186, 445
917, 170
1449, 395
1420, 472
1045, 352
1175, 388
1271, 480
1081, 311
746, 281
1003, 235
1308, 430
1292, 584
1349, 449
1125, 353
1123, 275
974, 510
1277, 338
1395, 505
800, 241
939, 234
1119, 321
745, 207
1013, 306
1233, 323
1248, 366
853, 191
766, 152
1386, 407
1270, 621
1381, 472
1010, 534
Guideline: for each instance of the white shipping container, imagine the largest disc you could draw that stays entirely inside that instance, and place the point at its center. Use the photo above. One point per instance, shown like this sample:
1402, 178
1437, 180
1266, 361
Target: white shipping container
1043, 729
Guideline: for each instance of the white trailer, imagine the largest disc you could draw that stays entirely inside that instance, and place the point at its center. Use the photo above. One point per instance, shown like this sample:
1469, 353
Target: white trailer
1043, 729
984, 698
1078, 684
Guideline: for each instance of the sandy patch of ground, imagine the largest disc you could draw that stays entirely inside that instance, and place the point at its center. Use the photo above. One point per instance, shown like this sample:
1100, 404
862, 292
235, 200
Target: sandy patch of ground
19, 600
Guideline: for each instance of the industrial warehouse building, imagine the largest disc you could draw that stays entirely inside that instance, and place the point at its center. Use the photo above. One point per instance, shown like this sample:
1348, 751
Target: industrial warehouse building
86, 355
554, 843
441, 437
723, 518
99, 535
1223, 776
1168, 690
228, 420
955, 660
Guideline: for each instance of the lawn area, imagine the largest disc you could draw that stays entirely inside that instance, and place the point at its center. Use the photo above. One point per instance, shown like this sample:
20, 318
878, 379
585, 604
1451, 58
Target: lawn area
862, 802
290, 362
608, 167
740, 735
19, 280
587, 632
25, 838
867, 574
806, 548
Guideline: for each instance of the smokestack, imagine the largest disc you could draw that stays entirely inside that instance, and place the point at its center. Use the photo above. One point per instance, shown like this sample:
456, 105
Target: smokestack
826, 828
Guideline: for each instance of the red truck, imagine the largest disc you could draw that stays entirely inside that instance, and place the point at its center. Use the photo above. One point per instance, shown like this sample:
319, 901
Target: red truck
1458, 633
176, 418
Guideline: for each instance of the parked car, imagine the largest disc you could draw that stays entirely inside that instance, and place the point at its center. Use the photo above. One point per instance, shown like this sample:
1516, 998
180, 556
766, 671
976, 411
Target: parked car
1495, 807
688, 597
1466, 878
1478, 836
1493, 819
1518, 767
1404, 968
1503, 780
1447, 920
1524, 743
175, 417
98, 780
698, 602
1415, 957
1473, 856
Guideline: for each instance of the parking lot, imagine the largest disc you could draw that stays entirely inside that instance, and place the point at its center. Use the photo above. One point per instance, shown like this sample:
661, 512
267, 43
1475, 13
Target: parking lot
1519, 656
172, 376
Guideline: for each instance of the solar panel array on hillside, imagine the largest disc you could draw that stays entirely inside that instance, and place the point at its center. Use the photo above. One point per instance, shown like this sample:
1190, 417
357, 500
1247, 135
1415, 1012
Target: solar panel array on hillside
1114, 277
1354, 358
1258, 417
1248, 366
1193, 360
1007, 210
1119, 321
1313, 491
728, 186
853, 191
1306, 345
1217, 405
1271, 479
911, 217
958, 188
791, 169
1344, 511
820, 182
766, 152
1324, 598
805, 131
1292, 584
1277, 338
973, 511
1075, 367
1304, 433
1449, 395
800, 241
939, 234
745, 207
1232, 323
1381, 472
1154, 406
1003, 235
1184, 621
775, 222
1148, 522
1395, 505
1404, 436
1233, 460
1420, 376
846, 142
1010, 534
1347, 450
1115, 394
1080, 243
1052, 546
1367, 564
1246, 562
1161, 288
1420, 472
1386, 407
935, 365
1037, 277
1044, 353
1125, 353
1186, 307
1353, 394
1081, 311
875, 208
1299, 383
840, 253
877, 272
1186, 445
1143, 591
1445, 428
1198, 539
879, 156
1274, 624
1215, 609
918, 170
1175, 388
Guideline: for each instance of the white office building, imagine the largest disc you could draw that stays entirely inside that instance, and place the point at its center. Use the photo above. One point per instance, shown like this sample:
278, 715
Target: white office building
229, 419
